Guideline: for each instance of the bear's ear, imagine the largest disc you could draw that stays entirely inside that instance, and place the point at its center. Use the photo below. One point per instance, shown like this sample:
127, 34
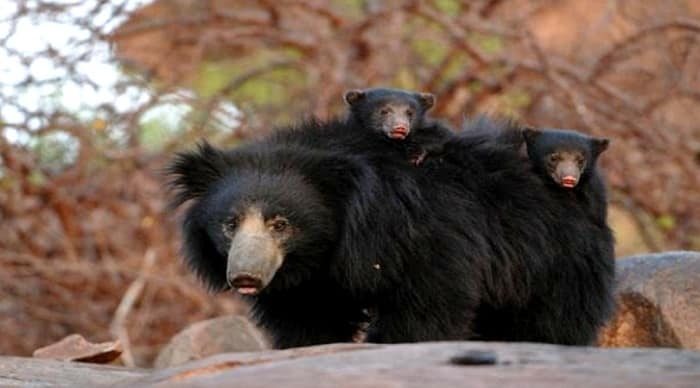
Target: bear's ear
531, 134
193, 172
600, 145
427, 100
353, 96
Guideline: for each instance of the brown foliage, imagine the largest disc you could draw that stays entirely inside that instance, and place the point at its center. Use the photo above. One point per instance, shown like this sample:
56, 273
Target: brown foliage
620, 69
71, 247
88, 247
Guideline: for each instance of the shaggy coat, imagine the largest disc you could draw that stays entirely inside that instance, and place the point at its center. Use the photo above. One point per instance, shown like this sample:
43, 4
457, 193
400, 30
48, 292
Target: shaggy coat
469, 245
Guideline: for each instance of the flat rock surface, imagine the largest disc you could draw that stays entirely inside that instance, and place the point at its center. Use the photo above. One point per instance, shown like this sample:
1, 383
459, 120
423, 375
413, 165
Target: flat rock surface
431, 365
437, 364
37, 372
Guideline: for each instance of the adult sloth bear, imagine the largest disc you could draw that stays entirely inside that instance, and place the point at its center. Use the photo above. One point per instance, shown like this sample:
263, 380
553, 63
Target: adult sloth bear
315, 223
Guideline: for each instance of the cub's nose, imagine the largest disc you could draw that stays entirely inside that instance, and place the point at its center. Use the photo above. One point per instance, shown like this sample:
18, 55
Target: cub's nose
399, 132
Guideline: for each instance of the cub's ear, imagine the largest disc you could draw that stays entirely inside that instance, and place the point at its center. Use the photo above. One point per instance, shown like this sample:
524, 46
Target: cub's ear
531, 134
353, 96
427, 100
600, 145
193, 172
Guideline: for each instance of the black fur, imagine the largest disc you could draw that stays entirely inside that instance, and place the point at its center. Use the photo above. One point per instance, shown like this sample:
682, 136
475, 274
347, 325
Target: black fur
301, 306
567, 281
470, 246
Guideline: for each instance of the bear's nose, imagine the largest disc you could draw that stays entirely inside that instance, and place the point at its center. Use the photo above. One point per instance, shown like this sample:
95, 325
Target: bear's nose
245, 284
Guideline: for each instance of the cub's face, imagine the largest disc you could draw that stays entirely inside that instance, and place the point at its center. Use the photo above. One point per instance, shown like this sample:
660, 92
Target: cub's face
394, 113
565, 156
565, 166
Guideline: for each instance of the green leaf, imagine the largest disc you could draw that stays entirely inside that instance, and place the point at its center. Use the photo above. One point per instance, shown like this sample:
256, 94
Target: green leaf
666, 222
36, 178
450, 7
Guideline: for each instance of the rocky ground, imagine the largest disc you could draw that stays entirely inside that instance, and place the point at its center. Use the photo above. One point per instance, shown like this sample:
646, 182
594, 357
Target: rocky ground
447, 364
658, 306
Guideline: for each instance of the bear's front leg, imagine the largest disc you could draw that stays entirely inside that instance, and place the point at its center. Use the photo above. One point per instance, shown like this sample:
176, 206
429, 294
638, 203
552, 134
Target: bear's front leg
305, 317
407, 321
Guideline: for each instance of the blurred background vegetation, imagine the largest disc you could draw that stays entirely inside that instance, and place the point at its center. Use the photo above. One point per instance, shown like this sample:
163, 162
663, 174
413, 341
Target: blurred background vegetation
96, 95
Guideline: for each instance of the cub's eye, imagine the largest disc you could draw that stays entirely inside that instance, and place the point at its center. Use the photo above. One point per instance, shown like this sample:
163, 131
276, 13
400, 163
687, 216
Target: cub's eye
279, 225
409, 113
553, 158
580, 162
384, 112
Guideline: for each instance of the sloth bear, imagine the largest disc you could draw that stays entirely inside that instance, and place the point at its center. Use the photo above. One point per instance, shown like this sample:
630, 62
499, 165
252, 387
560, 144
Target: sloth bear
264, 222
316, 223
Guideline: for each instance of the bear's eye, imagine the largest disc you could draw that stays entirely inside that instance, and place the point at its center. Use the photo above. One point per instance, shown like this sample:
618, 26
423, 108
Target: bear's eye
553, 158
384, 111
231, 224
409, 113
279, 224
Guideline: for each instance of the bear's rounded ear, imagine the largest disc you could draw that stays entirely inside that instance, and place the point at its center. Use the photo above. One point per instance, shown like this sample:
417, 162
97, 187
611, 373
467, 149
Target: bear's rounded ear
600, 145
531, 134
353, 96
192, 173
427, 100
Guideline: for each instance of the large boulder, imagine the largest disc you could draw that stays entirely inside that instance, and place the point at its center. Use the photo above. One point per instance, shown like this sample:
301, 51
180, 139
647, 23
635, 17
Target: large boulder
231, 333
658, 298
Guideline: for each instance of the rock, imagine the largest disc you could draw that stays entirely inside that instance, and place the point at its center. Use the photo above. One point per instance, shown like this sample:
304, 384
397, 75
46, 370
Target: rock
658, 297
232, 333
433, 365
76, 348
440, 364
38, 372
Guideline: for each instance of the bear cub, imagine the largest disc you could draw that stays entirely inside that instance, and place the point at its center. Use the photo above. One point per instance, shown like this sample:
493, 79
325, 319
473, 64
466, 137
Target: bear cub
564, 158
401, 116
